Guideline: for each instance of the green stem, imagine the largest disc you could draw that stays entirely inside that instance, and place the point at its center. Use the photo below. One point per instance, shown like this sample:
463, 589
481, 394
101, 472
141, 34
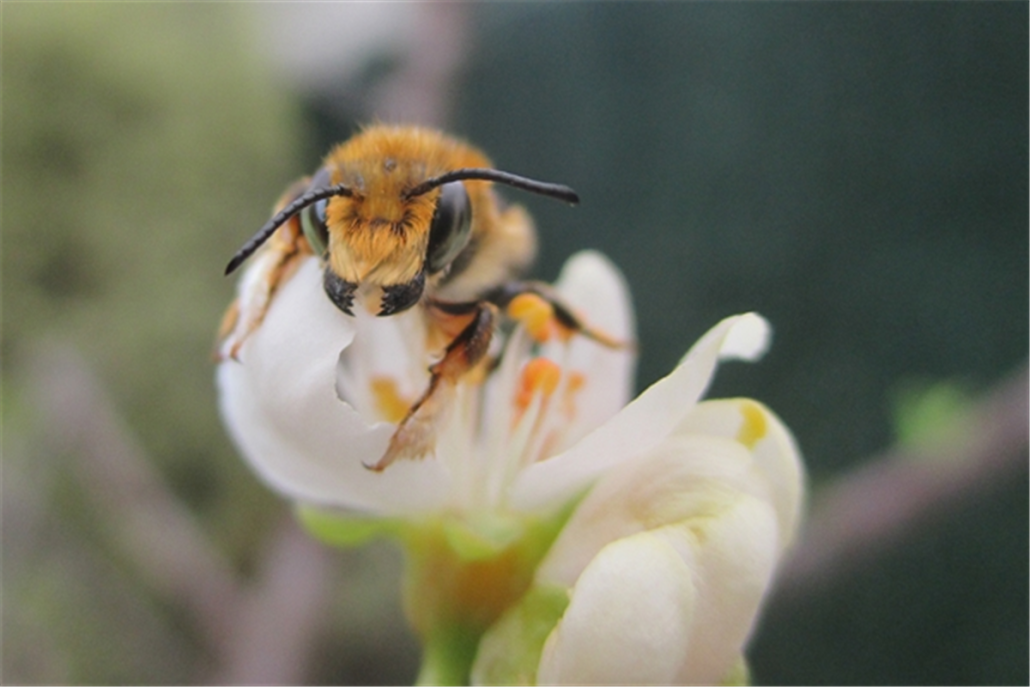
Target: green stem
447, 658
462, 575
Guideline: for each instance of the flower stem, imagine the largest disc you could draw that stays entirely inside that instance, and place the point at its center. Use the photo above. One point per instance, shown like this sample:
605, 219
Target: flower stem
447, 658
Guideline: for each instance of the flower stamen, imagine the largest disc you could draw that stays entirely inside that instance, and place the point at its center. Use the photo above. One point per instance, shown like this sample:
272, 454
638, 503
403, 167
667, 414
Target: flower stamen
577, 380
535, 314
539, 375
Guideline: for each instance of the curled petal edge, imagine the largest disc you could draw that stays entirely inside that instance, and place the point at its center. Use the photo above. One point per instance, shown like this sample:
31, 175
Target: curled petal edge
285, 380
641, 425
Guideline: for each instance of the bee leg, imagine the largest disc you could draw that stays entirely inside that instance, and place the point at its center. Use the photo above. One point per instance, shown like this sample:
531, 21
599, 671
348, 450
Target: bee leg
540, 309
246, 313
415, 435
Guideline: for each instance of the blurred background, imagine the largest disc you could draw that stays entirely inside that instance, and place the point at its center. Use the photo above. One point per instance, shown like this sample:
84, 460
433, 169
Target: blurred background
856, 172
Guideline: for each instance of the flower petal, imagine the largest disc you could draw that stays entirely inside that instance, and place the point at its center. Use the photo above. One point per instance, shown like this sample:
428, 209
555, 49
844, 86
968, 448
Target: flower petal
748, 340
685, 477
280, 405
629, 618
595, 289
703, 497
637, 428
774, 453
390, 349
736, 557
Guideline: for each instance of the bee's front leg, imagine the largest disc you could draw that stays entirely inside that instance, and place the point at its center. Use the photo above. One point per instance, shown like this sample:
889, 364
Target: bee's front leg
281, 256
415, 434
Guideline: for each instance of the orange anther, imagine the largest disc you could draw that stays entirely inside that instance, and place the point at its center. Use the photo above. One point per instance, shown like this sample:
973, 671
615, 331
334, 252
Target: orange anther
535, 314
539, 374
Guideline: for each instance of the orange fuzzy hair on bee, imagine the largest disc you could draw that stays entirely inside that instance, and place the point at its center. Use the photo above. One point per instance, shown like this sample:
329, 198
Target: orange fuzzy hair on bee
379, 235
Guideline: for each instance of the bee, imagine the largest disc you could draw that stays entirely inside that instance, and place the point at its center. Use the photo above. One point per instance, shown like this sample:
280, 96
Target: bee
406, 216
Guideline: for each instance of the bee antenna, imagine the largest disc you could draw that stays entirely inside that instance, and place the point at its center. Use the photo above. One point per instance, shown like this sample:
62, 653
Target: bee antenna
541, 187
280, 218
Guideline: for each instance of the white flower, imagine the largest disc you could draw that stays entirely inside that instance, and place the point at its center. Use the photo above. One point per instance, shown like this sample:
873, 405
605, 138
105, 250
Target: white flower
689, 505
303, 399
669, 556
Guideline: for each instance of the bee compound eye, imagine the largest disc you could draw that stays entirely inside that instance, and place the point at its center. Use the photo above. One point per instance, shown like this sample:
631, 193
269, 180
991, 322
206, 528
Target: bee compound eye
312, 222
312, 218
451, 226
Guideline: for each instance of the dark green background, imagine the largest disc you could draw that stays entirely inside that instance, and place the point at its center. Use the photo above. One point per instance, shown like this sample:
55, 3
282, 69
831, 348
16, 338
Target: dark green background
856, 172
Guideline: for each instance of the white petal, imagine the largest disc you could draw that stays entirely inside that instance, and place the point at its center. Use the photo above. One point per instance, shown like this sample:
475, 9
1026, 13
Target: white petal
596, 291
280, 405
748, 340
387, 348
699, 493
253, 291
629, 618
684, 476
735, 557
637, 428
774, 453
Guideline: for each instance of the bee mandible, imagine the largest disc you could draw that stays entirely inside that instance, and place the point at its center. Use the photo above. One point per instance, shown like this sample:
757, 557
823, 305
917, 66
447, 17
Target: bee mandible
403, 216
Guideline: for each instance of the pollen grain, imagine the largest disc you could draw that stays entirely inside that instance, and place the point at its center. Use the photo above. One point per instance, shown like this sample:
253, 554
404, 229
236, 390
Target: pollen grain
390, 404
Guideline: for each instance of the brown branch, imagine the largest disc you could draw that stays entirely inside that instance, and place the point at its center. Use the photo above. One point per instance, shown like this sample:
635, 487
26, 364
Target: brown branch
259, 633
887, 498
281, 614
160, 535
422, 90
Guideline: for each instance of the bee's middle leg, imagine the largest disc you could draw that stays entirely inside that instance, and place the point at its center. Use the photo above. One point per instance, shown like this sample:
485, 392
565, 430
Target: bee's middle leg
415, 436
541, 311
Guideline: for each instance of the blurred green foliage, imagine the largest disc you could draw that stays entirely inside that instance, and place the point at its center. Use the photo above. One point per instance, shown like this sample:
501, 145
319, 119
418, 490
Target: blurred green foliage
929, 415
141, 144
136, 140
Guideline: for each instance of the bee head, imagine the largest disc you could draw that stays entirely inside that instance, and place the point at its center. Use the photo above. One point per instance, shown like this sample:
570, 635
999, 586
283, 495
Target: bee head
394, 238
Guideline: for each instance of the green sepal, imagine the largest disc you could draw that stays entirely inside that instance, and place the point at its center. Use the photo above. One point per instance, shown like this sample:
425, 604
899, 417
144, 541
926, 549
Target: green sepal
739, 675
482, 537
510, 651
345, 531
